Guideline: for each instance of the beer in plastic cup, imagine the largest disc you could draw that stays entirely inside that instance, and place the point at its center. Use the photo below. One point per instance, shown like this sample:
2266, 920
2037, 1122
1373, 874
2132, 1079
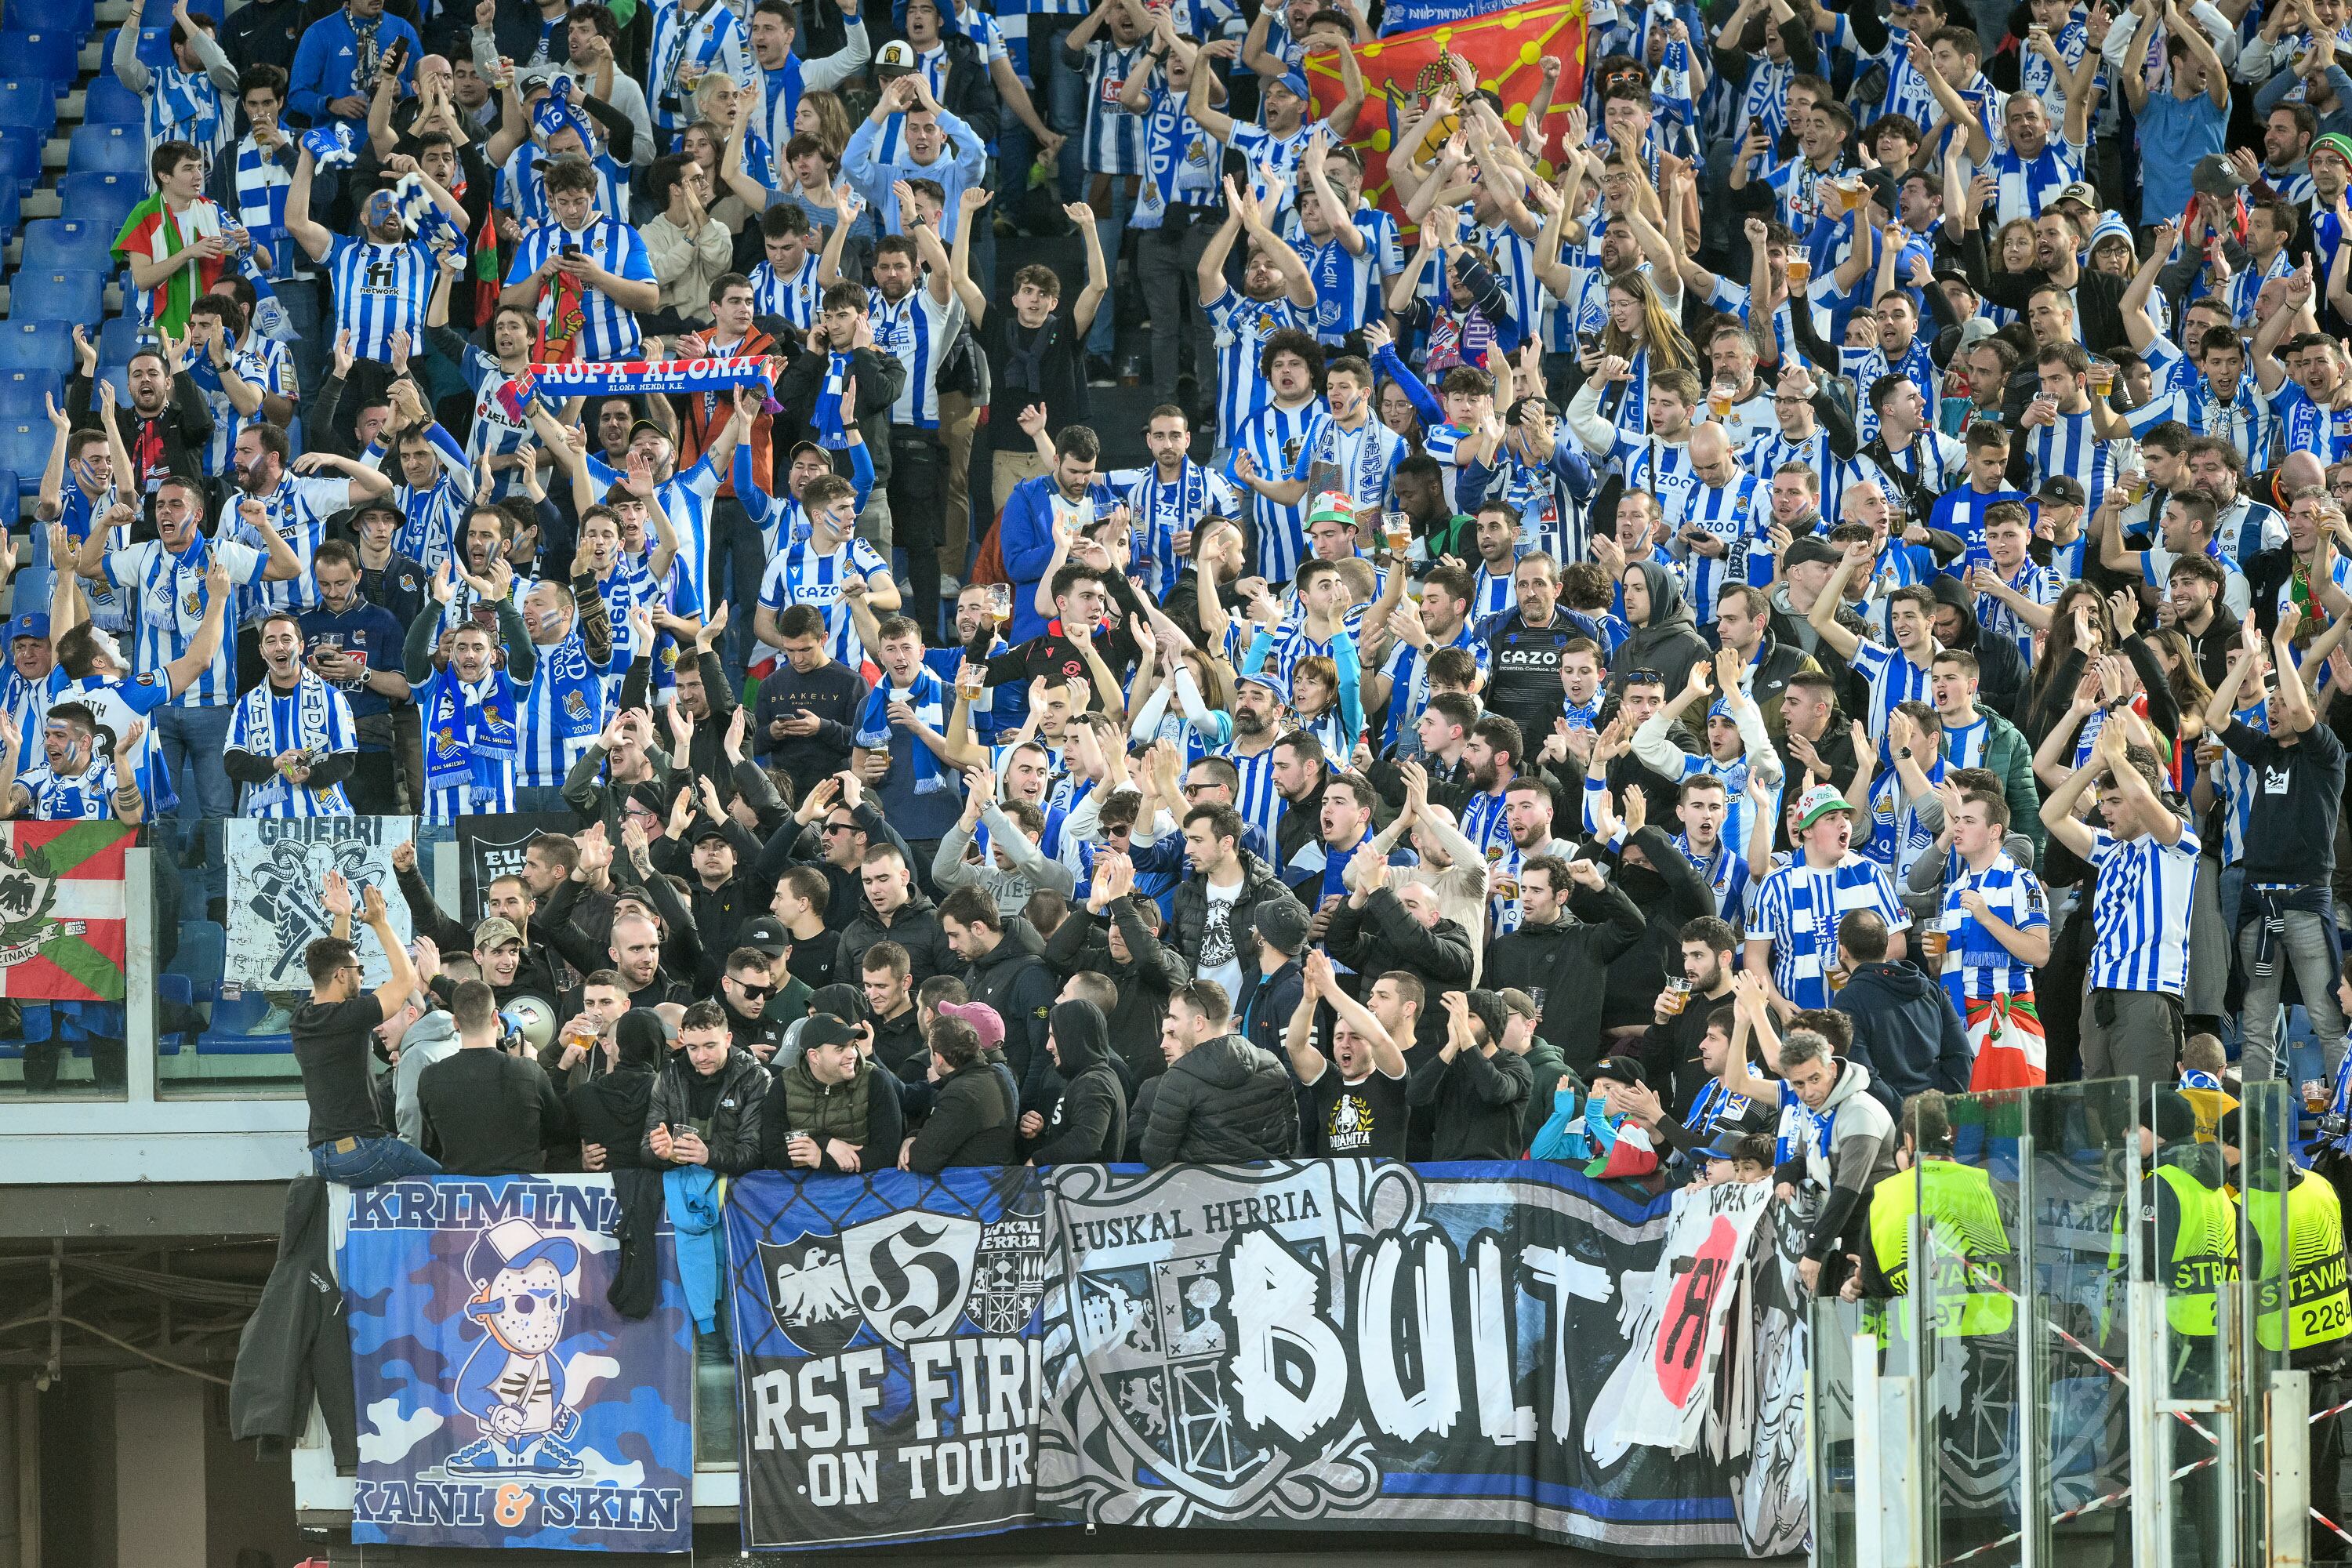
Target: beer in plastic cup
1936, 939
2315, 1096
999, 604
2103, 377
1507, 885
1801, 271
1674, 998
1718, 399
1397, 527
1837, 979
971, 682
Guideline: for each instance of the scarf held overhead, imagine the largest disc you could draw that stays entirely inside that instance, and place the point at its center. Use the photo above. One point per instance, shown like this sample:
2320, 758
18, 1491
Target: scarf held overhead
596, 379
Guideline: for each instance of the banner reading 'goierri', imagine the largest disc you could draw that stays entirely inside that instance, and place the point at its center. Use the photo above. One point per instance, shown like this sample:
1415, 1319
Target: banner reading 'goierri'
1329, 1345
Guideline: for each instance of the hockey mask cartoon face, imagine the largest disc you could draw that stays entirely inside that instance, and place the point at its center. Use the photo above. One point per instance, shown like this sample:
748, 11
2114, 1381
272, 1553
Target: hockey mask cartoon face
530, 1305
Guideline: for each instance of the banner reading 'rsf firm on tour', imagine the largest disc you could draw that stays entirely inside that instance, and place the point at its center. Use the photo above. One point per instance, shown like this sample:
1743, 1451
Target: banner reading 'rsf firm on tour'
1311, 1344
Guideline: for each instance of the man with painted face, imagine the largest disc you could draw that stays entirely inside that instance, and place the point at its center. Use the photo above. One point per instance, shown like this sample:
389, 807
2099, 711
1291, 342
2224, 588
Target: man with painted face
385, 278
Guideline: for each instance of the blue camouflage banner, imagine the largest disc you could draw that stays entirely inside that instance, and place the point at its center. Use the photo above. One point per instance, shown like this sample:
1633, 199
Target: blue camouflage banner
503, 1402
887, 1341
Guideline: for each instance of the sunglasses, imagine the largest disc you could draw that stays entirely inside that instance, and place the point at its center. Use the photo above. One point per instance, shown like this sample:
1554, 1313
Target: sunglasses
839, 826
754, 993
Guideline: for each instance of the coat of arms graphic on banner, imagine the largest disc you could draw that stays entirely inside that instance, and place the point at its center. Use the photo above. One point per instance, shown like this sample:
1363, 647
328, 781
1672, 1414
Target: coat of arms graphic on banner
502, 1401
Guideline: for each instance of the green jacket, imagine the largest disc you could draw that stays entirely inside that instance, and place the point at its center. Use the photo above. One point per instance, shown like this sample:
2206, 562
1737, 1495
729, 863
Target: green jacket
2008, 758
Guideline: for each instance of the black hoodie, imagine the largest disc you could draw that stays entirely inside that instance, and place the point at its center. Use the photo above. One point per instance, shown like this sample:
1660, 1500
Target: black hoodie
1014, 979
610, 1109
1088, 1123
2001, 668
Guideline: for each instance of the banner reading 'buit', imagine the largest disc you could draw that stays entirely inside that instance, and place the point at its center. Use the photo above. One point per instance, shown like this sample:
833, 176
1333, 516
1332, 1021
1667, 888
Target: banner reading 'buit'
1313, 1344
503, 1402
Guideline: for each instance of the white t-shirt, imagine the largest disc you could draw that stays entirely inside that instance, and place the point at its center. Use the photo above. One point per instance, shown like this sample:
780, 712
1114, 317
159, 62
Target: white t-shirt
1220, 956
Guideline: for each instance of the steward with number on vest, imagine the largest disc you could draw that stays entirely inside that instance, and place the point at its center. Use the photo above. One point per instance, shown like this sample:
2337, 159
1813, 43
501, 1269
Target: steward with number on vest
2191, 1245
2318, 1311
1972, 1251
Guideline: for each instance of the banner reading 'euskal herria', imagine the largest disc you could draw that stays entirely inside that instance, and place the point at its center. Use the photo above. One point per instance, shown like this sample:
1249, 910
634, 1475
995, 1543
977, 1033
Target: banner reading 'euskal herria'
1314, 1344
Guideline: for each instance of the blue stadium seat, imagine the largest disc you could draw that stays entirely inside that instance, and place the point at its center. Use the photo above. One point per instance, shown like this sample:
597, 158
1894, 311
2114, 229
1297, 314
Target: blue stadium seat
109, 102
25, 447
27, 344
20, 157
233, 1019
12, 492
25, 392
68, 242
11, 209
28, 591
204, 947
68, 295
52, 54
216, 9
29, 103
115, 149
117, 339
105, 199
79, 17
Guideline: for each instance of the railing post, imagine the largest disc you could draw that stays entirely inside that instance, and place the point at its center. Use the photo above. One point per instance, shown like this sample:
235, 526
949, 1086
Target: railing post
2286, 1427
139, 982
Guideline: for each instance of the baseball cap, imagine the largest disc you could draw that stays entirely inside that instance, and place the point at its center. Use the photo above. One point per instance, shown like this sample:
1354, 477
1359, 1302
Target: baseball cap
767, 933
2082, 190
531, 78
896, 58
1281, 922
1271, 680
644, 424
1293, 81
985, 1021
1725, 1147
1620, 1069
707, 828
825, 1029
496, 932
799, 446
1817, 803
2063, 489
374, 503
31, 624
1811, 550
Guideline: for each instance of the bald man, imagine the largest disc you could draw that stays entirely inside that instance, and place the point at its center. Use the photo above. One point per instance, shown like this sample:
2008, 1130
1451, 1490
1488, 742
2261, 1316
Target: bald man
1720, 521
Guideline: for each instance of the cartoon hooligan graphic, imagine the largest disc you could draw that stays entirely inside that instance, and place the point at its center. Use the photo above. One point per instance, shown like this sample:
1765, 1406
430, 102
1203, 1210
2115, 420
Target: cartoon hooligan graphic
513, 1385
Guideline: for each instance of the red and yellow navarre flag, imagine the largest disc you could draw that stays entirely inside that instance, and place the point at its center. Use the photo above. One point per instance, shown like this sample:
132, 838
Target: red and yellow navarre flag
1507, 48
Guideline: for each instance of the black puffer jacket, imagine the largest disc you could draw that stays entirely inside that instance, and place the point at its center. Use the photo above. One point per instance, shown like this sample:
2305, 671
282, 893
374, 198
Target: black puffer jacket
972, 1123
734, 1140
1191, 915
915, 927
1014, 979
1384, 935
1223, 1102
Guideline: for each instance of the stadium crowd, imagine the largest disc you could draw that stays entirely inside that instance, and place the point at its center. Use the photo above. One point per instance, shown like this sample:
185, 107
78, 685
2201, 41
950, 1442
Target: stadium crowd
1812, 584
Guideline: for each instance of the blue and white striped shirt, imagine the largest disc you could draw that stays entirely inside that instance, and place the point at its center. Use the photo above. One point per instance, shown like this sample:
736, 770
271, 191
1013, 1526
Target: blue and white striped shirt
685, 499
1260, 803
494, 431
267, 722
544, 755
802, 574
431, 516
1162, 510
2139, 911
1892, 677
918, 330
1277, 439
1114, 135
1798, 911
380, 289
1243, 326
227, 420
1728, 513
2038, 584
692, 44
795, 298
169, 594
2066, 445
1767, 453
299, 509
1977, 968
606, 330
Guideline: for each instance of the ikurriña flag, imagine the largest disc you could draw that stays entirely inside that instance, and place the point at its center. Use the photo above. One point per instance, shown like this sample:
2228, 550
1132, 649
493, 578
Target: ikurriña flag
1507, 48
62, 911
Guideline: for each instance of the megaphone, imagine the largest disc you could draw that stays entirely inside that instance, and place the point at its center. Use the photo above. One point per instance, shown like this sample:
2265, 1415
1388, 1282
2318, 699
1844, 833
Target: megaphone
529, 1021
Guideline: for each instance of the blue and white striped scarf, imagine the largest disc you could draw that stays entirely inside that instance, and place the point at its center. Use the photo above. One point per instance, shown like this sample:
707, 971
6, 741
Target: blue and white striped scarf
830, 422
262, 185
928, 698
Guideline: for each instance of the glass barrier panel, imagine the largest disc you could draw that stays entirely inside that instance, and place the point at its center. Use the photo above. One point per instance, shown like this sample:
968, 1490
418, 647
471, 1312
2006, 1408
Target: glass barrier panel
2272, 1321
1973, 1390
1830, 1413
2189, 1239
55, 941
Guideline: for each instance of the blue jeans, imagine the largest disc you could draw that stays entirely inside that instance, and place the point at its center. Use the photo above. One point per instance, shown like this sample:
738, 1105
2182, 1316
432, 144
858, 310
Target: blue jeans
370, 1161
193, 740
538, 797
313, 351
